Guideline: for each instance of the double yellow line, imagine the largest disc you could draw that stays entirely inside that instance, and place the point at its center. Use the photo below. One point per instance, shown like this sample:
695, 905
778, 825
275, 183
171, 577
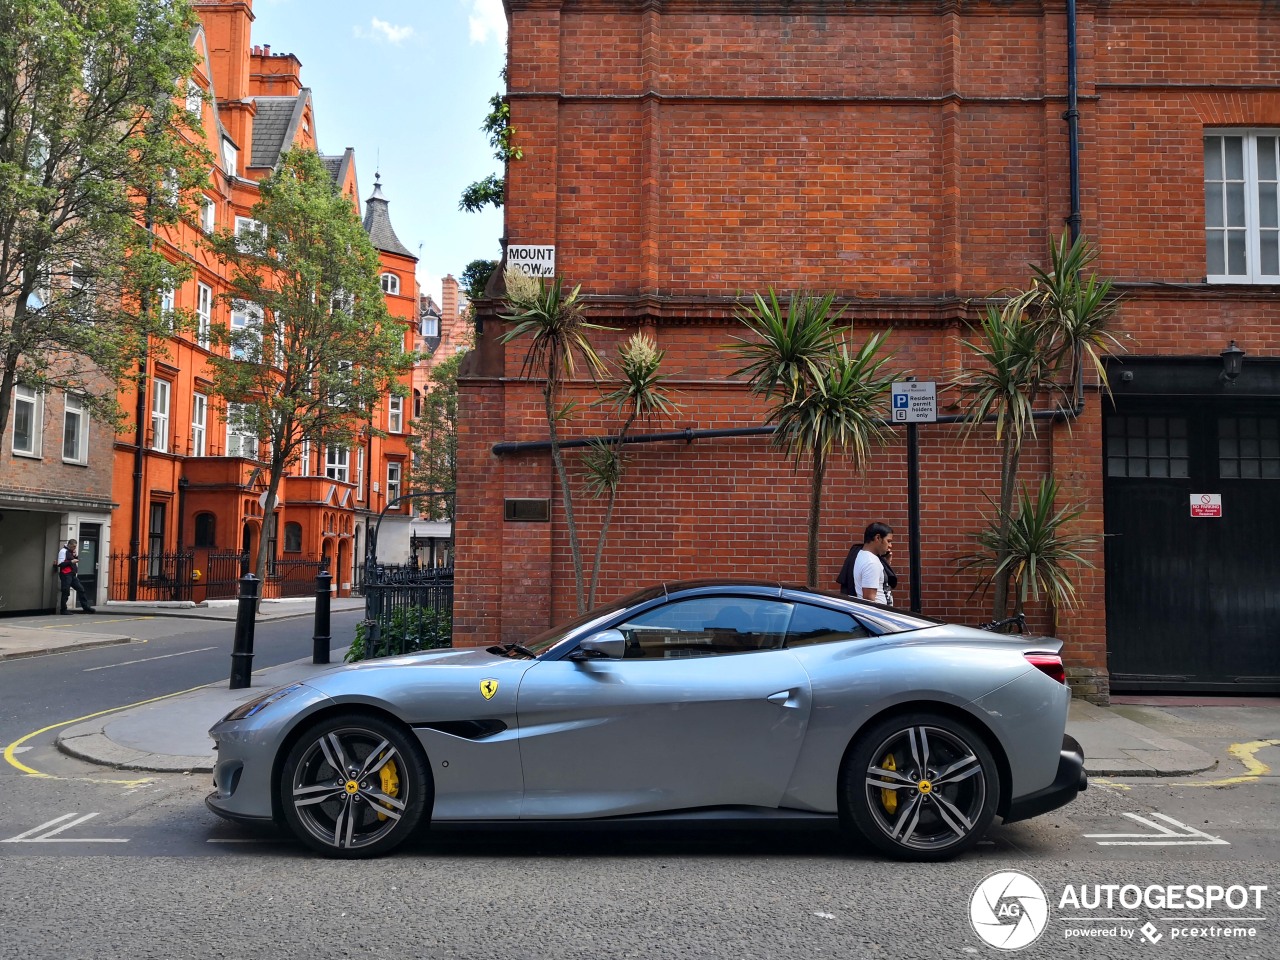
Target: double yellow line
10, 752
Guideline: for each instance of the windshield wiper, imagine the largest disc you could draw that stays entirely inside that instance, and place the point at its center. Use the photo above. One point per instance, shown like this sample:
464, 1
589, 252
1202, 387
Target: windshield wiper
507, 649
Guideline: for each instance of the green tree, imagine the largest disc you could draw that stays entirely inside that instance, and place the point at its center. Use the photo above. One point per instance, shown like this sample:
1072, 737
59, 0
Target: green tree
434, 441
558, 334
1033, 350
639, 395
828, 399
319, 348
96, 152
474, 277
497, 124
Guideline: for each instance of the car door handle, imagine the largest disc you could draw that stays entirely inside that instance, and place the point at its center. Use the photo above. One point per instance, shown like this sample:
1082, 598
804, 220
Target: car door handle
784, 698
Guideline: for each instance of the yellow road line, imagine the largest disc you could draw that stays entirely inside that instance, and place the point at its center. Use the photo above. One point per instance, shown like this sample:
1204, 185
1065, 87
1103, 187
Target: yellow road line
1246, 754
11, 750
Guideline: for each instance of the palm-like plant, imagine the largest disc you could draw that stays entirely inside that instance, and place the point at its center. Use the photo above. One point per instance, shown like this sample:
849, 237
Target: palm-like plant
1025, 347
639, 395
786, 349
1031, 551
558, 333
829, 400
839, 411
1075, 310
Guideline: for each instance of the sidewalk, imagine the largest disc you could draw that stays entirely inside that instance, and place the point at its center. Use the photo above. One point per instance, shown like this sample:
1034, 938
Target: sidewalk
36, 635
170, 733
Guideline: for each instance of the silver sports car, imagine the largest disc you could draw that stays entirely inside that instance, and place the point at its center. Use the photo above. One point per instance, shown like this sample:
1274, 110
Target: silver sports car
709, 699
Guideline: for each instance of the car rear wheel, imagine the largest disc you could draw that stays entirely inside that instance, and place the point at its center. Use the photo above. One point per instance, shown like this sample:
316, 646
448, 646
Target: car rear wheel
355, 786
921, 786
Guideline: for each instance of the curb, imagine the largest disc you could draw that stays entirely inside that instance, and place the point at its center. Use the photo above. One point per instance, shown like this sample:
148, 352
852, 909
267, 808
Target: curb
63, 647
98, 748
1148, 772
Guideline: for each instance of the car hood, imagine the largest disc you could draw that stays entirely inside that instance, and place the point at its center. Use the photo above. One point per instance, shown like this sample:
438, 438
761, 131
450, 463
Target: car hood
434, 685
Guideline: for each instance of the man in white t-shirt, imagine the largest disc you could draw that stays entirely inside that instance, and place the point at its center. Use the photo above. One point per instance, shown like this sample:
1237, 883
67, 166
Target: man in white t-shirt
868, 571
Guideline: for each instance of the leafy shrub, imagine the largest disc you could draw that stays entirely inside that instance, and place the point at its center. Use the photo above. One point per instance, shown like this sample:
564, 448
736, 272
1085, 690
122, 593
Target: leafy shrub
406, 630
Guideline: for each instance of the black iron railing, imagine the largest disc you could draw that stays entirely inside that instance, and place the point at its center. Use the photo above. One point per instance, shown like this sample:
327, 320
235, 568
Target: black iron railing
295, 577
222, 573
161, 576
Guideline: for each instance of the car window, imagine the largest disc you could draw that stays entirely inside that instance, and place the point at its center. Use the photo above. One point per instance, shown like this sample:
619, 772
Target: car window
544, 641
811, 625
705, 627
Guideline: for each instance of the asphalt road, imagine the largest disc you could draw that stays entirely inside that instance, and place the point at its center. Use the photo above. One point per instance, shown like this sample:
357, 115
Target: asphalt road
96, 863
170, 654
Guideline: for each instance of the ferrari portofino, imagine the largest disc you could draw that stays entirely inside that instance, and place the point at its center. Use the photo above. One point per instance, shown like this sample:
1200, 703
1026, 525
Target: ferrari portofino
684, 700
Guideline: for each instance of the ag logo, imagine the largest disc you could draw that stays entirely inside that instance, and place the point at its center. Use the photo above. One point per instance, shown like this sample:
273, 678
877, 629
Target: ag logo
1009, 910
488, 688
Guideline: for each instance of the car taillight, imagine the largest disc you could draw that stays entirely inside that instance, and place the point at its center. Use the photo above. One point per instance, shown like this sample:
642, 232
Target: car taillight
1050, 664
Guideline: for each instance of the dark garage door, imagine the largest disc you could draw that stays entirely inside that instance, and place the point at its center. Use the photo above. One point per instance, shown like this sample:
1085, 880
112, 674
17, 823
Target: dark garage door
1193, 603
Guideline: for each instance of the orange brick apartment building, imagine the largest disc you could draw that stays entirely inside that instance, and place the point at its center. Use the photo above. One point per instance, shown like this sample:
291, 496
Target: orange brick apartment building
912, 157
177, 477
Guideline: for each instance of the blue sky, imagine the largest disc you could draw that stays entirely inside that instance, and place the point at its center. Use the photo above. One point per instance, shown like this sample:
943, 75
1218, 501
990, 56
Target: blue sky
407, 84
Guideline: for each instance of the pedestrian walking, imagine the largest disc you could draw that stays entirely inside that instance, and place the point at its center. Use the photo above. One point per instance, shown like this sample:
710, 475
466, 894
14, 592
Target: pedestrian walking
863, 574
69, 578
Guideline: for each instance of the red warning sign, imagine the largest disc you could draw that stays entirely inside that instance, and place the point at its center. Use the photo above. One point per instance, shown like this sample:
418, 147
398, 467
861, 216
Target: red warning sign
1206, 504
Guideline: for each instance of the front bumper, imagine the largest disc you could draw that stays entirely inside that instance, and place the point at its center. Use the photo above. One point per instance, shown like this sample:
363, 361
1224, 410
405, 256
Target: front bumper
1071, 780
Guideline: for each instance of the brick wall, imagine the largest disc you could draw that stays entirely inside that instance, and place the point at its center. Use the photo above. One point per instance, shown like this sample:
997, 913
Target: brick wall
912, 158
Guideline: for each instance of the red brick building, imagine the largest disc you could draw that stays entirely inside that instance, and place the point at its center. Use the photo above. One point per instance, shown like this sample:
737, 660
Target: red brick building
185, 480
912, 157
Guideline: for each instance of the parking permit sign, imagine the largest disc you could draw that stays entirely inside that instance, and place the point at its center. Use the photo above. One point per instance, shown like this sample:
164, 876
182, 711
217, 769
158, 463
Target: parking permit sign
914, 401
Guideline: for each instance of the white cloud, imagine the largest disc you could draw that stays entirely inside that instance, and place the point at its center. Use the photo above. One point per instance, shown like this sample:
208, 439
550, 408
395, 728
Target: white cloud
487, 17
381, 30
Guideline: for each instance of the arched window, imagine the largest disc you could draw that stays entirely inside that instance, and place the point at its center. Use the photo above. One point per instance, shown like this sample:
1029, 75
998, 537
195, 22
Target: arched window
206, 530
293, 538
390, 284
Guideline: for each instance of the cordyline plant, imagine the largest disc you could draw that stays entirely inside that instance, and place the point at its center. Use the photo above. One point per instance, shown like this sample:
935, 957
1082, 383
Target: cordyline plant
1034, 557
1032, 351
639, 396
827, 399
558, 333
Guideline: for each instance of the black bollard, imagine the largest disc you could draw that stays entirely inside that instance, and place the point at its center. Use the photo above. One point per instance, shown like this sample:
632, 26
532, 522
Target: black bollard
320, 639
246, 619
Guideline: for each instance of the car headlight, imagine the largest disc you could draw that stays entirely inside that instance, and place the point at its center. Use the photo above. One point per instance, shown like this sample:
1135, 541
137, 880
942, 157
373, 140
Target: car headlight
247, 710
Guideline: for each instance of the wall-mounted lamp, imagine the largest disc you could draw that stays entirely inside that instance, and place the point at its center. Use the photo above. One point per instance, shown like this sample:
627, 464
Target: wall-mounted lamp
1232, 362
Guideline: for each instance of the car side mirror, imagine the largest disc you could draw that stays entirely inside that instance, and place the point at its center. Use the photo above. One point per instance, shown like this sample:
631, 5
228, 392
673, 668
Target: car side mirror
605, 645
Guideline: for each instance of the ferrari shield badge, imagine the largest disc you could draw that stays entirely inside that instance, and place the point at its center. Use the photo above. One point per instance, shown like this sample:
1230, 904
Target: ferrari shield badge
488, 688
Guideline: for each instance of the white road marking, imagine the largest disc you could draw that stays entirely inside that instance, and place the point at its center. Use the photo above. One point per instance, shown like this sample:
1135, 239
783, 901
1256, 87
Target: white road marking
43, 833
163, 656
1163, 837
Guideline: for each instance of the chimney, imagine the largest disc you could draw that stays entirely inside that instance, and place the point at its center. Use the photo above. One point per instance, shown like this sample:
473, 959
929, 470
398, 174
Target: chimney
449, 299
266, 49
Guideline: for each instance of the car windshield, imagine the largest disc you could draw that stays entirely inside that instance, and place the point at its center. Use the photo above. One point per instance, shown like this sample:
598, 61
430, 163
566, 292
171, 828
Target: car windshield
544, 641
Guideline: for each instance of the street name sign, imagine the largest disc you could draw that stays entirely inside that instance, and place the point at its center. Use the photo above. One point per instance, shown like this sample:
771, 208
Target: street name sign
533, 261
914, 401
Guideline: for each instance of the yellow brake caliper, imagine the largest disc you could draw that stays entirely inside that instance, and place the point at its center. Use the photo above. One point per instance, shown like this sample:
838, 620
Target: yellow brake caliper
889, 798
390, 783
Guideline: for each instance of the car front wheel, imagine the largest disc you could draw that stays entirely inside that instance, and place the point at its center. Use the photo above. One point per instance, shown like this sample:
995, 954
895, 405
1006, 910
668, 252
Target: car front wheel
921, 786
354, 786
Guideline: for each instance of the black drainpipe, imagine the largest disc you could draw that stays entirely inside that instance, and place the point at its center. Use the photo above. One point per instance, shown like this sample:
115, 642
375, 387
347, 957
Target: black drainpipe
1072, 116
688, 435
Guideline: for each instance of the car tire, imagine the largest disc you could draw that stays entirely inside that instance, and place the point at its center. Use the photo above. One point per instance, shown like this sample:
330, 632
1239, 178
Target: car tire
355, 785
921, 786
